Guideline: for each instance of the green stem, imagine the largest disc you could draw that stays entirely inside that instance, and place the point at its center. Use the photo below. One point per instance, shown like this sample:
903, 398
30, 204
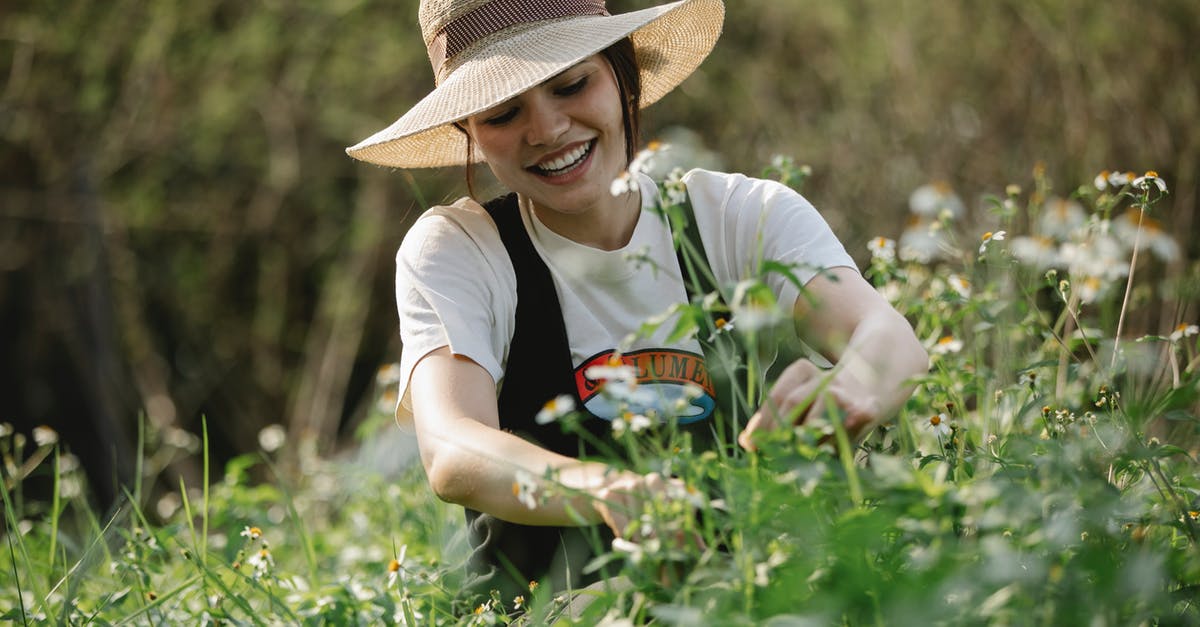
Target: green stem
55, 503
1137, 237
204, 509
845, 451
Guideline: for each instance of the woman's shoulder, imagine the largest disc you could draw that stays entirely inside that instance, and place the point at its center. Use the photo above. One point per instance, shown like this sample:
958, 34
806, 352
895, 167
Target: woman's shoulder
452, 234
463, 222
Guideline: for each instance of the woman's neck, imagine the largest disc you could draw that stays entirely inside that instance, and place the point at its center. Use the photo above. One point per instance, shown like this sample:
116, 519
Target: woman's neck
608, 225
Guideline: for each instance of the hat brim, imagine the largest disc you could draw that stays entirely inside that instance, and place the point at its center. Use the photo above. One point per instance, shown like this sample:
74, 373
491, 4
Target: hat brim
671, 41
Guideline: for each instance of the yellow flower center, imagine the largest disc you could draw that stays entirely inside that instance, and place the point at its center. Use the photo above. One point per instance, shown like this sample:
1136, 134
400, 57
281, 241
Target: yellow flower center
949, 339
393, 566
1152, 173
986, 236
935, 420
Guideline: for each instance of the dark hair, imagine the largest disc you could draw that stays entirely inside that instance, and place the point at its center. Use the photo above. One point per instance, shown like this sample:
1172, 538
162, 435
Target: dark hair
622, 57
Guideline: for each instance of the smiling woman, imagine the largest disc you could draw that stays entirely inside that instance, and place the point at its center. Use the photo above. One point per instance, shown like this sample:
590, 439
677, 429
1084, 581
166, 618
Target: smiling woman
561, 144
520, 310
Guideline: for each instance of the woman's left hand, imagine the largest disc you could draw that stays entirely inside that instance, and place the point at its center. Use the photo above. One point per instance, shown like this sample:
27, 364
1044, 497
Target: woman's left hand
876, 352
804, 390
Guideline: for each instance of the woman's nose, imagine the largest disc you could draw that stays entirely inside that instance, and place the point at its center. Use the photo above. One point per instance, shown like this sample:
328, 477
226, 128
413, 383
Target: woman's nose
547, 122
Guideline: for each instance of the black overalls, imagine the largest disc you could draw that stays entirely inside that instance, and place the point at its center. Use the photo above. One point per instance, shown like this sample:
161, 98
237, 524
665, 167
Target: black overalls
539, 368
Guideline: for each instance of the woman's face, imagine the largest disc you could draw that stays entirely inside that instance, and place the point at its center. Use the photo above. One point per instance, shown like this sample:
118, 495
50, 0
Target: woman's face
561, 143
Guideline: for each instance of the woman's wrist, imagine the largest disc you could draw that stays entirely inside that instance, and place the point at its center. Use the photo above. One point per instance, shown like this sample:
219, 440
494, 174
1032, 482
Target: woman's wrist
588, 485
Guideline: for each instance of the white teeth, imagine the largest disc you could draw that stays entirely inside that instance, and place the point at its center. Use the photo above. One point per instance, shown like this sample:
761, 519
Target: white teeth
565, 161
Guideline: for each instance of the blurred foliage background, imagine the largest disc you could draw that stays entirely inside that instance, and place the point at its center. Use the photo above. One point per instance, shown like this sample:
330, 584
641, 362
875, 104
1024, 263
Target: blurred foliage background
182, 235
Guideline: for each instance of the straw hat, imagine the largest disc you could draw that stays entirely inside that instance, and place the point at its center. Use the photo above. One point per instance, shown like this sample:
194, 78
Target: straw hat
485, 52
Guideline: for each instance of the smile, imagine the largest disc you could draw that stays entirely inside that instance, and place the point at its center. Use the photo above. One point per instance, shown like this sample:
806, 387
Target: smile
566, 163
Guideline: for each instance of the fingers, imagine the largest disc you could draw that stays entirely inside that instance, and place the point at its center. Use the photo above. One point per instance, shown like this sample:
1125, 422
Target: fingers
794, 394
623, 501
861, 415
791, 400
803, 391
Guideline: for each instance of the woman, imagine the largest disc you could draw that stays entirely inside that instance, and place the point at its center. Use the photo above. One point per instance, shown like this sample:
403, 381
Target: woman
526, 294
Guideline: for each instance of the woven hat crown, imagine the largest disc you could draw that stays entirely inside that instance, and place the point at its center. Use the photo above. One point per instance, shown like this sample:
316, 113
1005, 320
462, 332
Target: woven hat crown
433, 15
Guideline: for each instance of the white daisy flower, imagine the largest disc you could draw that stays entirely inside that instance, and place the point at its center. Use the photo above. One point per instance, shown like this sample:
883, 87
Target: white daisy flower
940, 423
1038, 252
45, 436
988, 238
622, 185
882, 248
923, 241
1120, 179
1060, 218
272, 438
932, 199
1184, 330
1144, 182
554, 409
946, 345
960, 285
525, 488
639, 423
1153, 236
614, 370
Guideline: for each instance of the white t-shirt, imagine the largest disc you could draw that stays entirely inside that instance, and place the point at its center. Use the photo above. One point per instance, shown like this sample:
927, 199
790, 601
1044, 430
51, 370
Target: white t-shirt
455, 284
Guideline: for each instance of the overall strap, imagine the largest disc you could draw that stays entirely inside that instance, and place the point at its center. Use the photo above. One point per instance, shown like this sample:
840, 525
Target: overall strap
506, 556
539, 364
685, 233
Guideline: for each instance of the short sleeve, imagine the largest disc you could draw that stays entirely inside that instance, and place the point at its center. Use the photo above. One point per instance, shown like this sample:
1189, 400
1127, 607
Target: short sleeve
455, 287
745, 220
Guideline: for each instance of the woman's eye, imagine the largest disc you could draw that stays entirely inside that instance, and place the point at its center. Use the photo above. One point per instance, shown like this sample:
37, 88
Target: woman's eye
572, 88
501, 119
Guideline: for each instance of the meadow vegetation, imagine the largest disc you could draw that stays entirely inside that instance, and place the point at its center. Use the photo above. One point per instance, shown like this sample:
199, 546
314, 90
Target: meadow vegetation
182, 237
1042, 473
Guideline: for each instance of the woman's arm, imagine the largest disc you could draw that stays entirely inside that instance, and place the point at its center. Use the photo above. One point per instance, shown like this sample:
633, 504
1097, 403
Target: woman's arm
471, 462
874, 348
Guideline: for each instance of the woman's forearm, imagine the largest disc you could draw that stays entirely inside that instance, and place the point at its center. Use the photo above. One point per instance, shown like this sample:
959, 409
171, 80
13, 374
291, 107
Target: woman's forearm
470, 461
489, 470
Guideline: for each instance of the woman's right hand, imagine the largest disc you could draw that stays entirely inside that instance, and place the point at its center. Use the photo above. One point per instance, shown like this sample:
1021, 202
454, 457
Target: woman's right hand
622, 501
472, 462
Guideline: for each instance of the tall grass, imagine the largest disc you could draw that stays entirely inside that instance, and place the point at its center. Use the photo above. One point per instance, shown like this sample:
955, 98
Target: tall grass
1045, 471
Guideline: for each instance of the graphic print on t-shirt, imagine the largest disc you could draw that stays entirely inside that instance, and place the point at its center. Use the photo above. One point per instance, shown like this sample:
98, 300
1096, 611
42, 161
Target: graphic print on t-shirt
667, 382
